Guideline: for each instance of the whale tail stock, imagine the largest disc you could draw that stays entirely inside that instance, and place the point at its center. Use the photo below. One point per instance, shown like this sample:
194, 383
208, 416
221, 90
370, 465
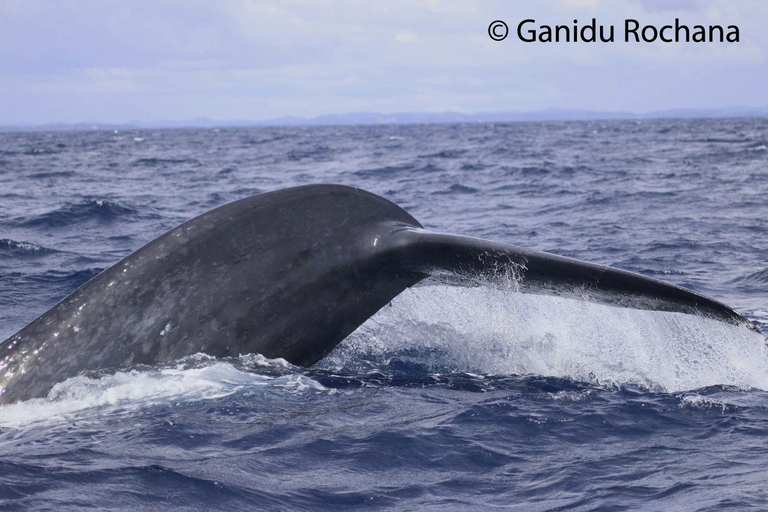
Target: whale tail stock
287, 274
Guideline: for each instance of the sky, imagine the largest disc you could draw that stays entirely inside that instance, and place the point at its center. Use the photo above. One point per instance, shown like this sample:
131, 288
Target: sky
112, 61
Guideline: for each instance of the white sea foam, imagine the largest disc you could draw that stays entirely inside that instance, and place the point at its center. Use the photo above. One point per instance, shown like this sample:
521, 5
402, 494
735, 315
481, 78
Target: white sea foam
208, 380
500, 331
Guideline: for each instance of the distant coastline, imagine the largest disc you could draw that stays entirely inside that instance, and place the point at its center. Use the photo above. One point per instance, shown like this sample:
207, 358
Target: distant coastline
369, 118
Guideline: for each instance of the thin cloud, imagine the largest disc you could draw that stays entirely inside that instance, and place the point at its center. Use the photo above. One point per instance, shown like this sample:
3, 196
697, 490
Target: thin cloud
93, 60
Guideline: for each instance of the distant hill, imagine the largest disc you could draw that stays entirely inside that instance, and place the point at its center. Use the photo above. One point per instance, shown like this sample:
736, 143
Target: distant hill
370, 118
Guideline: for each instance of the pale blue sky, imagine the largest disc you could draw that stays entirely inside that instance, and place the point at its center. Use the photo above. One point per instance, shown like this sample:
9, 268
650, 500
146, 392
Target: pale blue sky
114, 61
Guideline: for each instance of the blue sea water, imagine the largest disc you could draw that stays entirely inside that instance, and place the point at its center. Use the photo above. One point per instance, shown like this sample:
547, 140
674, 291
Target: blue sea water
453, 398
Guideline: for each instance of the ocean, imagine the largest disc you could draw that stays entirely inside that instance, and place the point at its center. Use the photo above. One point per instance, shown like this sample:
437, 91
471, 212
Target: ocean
456, 397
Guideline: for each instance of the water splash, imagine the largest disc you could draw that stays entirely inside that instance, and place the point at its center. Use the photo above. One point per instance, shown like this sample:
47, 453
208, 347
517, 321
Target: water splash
500, 331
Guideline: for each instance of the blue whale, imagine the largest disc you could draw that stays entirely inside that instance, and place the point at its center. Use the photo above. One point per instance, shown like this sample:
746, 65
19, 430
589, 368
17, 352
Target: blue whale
288, 274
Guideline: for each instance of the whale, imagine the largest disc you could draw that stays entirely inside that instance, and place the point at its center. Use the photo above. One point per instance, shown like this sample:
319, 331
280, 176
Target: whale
287, 274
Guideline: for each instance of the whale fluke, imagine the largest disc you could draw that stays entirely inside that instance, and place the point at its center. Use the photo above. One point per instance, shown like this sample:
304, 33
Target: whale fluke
285, 274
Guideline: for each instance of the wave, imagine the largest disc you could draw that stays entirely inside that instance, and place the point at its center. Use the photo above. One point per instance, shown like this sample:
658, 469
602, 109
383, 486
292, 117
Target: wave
68, 280
321, 153
251, 141
100, 210
449, 154
157, 162
395, 170
457, 188
39, 150
16, 249
52, 174
759, 277
719, 140
196, 378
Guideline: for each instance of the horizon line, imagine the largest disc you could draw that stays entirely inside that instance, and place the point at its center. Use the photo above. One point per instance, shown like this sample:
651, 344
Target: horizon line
377, 118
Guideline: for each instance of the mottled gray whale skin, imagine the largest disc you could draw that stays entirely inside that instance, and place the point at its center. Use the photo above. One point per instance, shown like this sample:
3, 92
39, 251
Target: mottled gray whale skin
285, 274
